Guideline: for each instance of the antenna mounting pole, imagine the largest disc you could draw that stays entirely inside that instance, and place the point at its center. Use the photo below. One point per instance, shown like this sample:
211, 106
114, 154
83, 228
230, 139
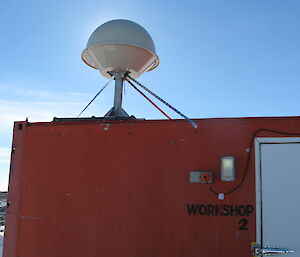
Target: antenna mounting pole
117, 110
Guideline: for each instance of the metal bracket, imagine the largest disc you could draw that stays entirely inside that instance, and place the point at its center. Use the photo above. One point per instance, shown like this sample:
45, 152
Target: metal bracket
269, 251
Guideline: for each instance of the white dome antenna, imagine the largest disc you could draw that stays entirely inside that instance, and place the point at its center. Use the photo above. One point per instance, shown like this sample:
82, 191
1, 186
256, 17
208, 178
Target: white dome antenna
118, 47
123, 50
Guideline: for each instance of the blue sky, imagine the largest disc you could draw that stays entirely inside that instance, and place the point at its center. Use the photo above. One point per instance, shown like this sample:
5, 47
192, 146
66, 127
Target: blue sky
218, 59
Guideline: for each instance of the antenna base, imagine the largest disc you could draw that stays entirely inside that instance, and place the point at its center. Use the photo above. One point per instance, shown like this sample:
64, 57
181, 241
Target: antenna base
113, 113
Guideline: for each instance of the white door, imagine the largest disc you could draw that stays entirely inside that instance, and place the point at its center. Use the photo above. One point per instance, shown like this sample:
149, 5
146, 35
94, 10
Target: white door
278, 196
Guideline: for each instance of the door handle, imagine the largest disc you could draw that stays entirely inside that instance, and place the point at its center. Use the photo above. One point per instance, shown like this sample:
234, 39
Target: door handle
270, 251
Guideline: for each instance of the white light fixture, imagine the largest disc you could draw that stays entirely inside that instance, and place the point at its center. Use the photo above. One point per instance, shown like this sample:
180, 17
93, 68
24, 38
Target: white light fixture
228, 168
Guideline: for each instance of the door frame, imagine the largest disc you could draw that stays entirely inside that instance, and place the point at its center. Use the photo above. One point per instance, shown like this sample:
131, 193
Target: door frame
258, 143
